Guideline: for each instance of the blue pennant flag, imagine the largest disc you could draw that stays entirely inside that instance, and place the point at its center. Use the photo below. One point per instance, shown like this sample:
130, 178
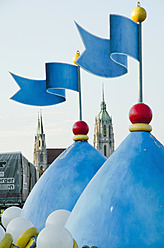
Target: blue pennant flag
108, 57
59, 76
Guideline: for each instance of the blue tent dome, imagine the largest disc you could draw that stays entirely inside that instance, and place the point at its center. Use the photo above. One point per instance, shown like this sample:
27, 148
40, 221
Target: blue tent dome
123, 205
63, 182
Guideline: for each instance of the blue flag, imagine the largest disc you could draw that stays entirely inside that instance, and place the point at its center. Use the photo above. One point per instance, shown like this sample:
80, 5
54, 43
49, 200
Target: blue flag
108, 57
59, 76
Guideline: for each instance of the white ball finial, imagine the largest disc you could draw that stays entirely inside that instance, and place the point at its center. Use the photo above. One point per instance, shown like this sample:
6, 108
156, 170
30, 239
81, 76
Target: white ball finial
54, 236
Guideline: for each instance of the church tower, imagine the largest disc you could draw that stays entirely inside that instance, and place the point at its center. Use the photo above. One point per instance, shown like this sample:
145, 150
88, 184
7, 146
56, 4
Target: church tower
103, 131
40, 152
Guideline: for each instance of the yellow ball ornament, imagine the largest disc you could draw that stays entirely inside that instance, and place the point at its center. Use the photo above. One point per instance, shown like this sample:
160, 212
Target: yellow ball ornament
138, 14
76, 57
75, 244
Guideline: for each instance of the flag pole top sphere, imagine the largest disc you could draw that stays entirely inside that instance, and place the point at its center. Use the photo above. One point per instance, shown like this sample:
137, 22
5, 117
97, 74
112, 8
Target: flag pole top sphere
80, 130
140, 116
138, 14
76, 57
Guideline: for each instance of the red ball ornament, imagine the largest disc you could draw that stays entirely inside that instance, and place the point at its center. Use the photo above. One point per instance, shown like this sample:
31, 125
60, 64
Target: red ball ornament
80, 127
140, 113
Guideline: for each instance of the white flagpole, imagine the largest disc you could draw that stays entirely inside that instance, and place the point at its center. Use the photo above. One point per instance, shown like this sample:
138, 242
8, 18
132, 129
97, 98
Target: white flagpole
140, 86
139, 15
79, 84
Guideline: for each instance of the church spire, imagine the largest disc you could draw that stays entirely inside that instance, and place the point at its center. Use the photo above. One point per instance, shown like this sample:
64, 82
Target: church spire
40, 123
103, 92
103, 105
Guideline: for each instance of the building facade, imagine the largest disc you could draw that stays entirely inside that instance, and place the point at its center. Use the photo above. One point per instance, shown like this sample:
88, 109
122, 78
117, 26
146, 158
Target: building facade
103, 131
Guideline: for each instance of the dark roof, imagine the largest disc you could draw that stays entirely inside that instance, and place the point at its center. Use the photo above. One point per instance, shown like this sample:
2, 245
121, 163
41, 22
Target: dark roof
53, 153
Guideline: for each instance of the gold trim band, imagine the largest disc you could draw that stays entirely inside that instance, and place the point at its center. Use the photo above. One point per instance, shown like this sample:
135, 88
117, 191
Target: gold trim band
140, 127
80, 137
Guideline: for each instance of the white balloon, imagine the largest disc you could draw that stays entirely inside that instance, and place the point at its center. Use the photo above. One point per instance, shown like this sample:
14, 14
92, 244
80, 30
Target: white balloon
17, 226
10, 214
2, 233
54, 236
58, 217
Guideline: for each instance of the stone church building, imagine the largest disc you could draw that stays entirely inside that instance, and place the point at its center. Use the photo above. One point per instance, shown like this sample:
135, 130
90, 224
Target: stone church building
40, 152
103, 139
43, 156
103, 131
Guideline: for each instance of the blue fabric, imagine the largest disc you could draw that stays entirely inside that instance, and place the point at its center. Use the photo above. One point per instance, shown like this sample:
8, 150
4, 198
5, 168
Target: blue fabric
123, 205
63, 182
108, 57
59, 76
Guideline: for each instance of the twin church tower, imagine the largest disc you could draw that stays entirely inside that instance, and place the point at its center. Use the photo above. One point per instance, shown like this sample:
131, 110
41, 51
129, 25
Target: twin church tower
103, 138
40, 151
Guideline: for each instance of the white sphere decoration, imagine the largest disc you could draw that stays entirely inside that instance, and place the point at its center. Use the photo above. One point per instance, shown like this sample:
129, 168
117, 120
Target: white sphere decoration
54, 236
2, 233
10, 214
17, 226
58, 217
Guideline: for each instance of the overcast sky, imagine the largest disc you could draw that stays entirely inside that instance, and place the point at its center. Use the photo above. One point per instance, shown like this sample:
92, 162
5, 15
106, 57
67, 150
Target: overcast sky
37, 31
